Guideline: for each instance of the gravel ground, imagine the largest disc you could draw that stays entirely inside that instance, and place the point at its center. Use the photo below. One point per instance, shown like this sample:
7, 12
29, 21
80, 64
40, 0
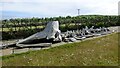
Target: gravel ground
115, 28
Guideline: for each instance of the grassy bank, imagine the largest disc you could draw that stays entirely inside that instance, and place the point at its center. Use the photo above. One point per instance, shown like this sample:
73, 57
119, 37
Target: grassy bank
99, 52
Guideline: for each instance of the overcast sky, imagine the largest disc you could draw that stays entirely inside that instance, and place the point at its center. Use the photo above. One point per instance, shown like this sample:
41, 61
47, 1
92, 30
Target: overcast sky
53, 8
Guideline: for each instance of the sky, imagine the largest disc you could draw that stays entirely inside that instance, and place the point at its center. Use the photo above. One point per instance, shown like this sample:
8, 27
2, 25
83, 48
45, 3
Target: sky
54, 8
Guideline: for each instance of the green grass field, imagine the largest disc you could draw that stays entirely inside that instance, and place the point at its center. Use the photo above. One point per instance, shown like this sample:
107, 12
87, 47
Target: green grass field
32, 27
96, 52
21, 28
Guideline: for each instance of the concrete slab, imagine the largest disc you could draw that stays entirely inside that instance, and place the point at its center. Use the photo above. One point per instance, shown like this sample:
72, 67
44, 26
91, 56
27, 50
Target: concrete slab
21, 50
34, 45
32, 49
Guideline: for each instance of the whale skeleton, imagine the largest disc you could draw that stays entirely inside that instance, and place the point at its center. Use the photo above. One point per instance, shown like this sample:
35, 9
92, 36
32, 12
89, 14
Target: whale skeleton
51, 33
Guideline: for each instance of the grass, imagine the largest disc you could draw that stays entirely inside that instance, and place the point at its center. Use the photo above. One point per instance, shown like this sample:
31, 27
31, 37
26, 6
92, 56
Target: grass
32, 27
96, 52
21, 28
